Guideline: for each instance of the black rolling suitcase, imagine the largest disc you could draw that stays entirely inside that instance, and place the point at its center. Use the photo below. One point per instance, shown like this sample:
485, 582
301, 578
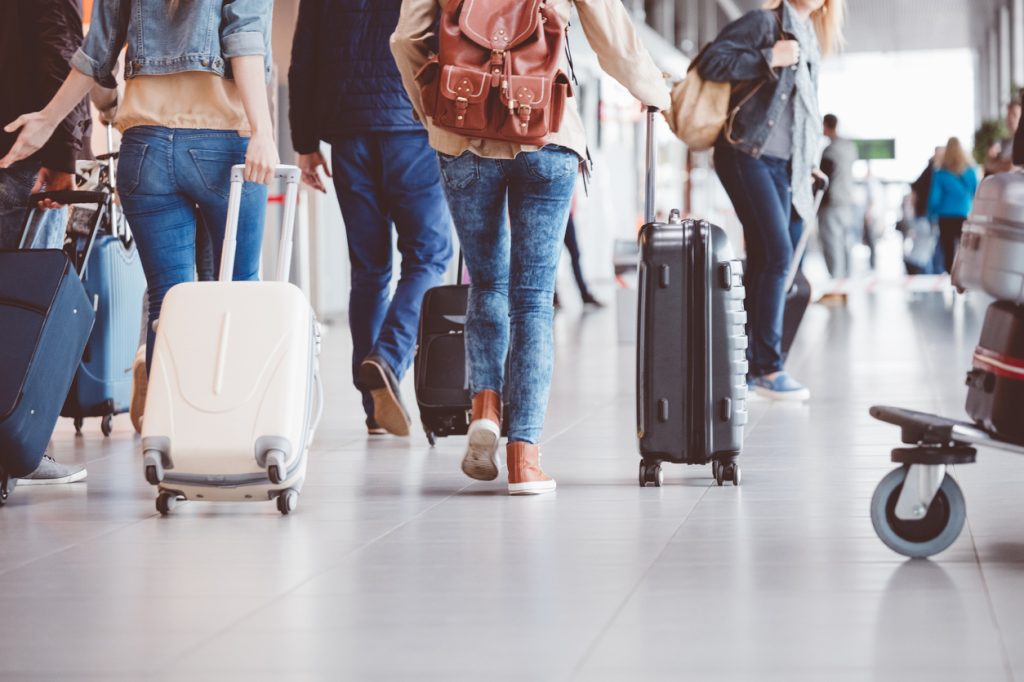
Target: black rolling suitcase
995, 384
45, 321
691, 344
440, 368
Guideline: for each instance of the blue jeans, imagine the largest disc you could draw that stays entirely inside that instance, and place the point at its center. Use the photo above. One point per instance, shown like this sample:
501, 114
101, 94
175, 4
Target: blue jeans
761, 193
512, 270
15, 188
166, 175
385, 178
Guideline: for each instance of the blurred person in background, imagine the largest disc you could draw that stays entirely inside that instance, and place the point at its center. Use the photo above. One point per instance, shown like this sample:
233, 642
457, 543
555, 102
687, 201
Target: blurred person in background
920, 190
951, 197
838, 208
573, 246
767, 160
1000, 155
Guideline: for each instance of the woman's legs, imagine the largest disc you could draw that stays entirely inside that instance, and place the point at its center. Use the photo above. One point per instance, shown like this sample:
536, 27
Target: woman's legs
759, 189
949, 236
540, 194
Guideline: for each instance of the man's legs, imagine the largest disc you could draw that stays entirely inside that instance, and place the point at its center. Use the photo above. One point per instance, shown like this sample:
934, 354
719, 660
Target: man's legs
357, 180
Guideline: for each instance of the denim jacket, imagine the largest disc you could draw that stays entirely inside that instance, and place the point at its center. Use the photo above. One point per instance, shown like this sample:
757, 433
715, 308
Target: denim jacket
200, 35
742, 54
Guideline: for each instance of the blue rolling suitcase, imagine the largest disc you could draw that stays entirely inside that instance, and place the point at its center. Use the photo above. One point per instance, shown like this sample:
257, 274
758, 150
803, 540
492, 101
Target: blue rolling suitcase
45, 320
112, 274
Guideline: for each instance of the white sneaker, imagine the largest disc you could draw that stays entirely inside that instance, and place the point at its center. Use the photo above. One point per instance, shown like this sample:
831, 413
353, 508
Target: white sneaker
481, 459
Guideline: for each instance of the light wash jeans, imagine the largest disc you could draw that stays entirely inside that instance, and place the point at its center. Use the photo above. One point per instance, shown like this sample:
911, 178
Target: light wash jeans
512, 268
47, 230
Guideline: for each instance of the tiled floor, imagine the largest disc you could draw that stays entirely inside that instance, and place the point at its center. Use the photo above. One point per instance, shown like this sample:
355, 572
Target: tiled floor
396, 567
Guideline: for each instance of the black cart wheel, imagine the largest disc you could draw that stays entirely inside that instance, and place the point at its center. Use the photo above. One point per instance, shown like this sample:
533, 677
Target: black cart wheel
735, 475
6, 486
431, 438
720, 474
925, 537
657, 475
715, 465
79, 422
107, 425
274, 474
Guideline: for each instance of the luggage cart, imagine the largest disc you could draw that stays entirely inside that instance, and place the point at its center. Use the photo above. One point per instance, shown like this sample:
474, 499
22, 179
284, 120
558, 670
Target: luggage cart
918, 510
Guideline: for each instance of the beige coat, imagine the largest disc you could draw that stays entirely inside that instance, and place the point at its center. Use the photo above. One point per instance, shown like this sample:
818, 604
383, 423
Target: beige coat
609, 31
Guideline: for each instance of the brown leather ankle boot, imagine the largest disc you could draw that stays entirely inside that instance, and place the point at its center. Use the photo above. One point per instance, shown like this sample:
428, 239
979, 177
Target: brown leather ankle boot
525, 477
481, 458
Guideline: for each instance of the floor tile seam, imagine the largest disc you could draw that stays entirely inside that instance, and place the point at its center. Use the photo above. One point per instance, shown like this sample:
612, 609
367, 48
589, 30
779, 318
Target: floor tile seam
590, 650
993, 614
334, 565
90, 538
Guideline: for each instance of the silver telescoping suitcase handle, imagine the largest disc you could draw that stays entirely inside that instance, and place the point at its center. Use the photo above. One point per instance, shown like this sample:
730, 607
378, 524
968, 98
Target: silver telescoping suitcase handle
820, 187
291, 176
650, 162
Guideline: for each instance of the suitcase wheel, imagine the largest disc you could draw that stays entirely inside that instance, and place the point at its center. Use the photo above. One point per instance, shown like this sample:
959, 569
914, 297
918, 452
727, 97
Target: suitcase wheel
431, 438
651, 474
6, 485
287, 501
166, 502
726, 471
107, 425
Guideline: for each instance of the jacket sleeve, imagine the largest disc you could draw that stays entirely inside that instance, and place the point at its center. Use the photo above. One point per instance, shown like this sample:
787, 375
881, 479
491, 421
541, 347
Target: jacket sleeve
244, 26
743, 50
411, 45
620, 53
59, 35
108, 31
303, 77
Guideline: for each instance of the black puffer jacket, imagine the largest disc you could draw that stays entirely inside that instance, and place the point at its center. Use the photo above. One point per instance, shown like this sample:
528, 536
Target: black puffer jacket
37, 39
343, 79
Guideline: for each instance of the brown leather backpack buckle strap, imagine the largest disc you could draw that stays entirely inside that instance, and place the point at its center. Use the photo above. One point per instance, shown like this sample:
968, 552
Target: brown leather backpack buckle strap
461, 105
525, 112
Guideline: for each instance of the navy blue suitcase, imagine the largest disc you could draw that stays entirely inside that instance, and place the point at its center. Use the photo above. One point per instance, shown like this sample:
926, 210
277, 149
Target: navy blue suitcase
45, 321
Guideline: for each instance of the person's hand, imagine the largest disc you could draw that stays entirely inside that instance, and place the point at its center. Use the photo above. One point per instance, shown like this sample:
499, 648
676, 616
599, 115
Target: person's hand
36, 129
308, 164
49, 180
261, 159
785, 53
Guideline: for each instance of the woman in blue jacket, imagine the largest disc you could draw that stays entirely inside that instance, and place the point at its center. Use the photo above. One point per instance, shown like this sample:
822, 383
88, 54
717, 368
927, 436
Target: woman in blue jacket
765, 158
952, 193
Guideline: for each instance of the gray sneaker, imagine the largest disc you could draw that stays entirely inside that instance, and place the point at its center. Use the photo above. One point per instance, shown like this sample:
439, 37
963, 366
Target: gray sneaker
52, 472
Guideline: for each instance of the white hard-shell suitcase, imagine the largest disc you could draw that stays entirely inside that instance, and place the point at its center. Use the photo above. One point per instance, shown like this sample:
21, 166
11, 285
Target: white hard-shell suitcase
991, 253
234, 391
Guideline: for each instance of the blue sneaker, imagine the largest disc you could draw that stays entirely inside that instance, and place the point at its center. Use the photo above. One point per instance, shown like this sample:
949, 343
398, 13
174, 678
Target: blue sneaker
780, 386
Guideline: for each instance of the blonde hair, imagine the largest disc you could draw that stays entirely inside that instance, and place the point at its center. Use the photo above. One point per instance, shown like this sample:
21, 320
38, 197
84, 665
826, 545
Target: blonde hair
828, 24
955, 160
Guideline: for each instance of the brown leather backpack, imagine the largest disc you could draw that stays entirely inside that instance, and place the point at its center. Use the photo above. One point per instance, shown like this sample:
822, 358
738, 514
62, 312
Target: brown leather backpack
497, 73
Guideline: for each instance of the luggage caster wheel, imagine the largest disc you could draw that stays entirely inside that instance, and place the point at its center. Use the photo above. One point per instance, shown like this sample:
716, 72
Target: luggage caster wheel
6, 486
643, 474
936, 531
734, 474
651, 474
79, 422
107, 425
720, 474
153, 475
287, 501
715, 464
431, 438
274, 474
165, 502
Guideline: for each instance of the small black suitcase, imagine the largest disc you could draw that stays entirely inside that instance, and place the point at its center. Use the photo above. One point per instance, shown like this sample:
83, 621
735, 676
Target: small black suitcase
440, 368
691, 345
45, 321
995, 384
798, 300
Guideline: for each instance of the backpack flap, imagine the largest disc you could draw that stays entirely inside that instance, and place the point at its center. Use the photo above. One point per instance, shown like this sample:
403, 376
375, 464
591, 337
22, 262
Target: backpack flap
499, 25
463, 101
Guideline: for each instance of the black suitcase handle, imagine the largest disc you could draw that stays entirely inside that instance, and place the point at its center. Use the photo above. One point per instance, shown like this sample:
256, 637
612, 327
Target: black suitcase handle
69, 196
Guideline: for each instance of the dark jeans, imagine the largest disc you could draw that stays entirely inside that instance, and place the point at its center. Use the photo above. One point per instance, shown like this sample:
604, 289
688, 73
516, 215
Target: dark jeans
512, 268
164, 175
574, 255
950, 228
761, 193
385, 178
